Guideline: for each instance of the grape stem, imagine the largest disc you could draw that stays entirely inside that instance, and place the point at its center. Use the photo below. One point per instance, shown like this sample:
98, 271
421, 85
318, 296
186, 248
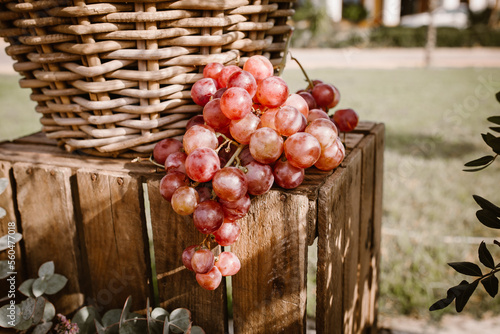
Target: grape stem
150, 159
311, 86
235, 155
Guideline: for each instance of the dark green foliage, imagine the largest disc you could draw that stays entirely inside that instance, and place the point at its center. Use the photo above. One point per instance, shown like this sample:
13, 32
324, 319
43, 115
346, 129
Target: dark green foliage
354, 12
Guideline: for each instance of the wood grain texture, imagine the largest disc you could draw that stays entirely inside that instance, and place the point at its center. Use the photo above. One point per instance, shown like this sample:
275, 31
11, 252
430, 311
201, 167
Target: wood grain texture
269, 292
177, 286
48, 225
113, 230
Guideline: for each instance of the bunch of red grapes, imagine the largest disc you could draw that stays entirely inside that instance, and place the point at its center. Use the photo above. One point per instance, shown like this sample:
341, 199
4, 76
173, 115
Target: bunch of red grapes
253, 133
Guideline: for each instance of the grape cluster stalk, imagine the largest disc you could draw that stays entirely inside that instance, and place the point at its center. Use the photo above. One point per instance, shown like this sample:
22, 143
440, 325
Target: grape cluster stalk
253, 134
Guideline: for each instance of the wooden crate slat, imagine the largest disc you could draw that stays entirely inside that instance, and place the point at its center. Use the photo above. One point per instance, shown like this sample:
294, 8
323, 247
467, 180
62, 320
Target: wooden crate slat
269, 292
114, 233
177, 286
48, 225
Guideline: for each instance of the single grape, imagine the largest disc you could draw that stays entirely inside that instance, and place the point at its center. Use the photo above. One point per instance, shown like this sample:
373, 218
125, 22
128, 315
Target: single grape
202, 261
208, 216
241, 130
323, 130
317, 82
164, 148
228, 233
213, 115
187, 255
259, 66
199, 136
323, 94
345, 119
219, 92
336, 98
332, 156
298, 102
230, 183
212, 70
246, 156
311, 102
288, 120
195, 120
302, 150
202, 164
266, 145
236, 103
184, 200
286, 175
171, 182
244, 80
226, 72
316, 113
267, 118
205, 193
210, 280
228, 264
260, 178
176, 162
272, 92
236, 209
203, 90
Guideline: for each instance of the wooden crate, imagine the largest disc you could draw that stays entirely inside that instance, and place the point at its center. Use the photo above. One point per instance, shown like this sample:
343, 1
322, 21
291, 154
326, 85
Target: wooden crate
89, 215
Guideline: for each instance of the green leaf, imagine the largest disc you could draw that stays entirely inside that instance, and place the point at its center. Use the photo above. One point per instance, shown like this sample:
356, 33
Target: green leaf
488, 219
451, 294
55, 284
491, 285
466, 268
492, 141
111, 317
495, 128
481, 161
27, 308
159, 313
487, 205
4, 269
84, 318
49, 311
485, 256
46, 269
99, 328
39, 310
179, 320
13, 238
43, 328
26, 287
494, 119
10, 315
197, 330
3, 184
463, 298
39, 287
24, 325
125, 310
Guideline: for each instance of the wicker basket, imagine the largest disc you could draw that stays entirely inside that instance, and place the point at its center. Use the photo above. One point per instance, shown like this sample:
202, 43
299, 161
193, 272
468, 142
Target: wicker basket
114, 78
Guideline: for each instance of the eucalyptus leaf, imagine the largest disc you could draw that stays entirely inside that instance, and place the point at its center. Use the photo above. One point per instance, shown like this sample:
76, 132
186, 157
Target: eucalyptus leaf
13, 238
487, 205
3, 184
159, 313
55, 284
197, 330
24, 325
485, 256
462, 299
39, 309
488, 219
111, 317
49, 311
129, 328
490, 284
26, 287
39, 287
84, 318
10, 315
4, 269
179, 320
43, 328
466, 268
125, 310
46, 269
3, 213
99, 328
481, 161
27, 308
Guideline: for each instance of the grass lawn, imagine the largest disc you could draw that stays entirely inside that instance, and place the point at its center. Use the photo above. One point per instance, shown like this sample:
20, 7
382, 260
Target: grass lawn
433, 123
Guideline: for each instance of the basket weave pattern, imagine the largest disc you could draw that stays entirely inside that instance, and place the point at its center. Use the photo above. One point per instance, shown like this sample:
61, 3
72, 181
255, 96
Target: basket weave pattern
114, 78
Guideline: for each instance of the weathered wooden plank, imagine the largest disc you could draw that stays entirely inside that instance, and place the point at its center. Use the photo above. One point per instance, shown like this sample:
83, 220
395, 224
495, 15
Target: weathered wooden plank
329, 276
269, 292
114, 232
48, 226
177, 286
363, 307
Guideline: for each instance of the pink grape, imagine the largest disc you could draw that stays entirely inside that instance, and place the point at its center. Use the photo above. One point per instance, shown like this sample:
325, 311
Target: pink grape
202, 261
202, 164
210, 280
272, 92
212, 70
184, 200
228, 233
213, 115
225, 73
176, 162
259, 66
195, 120
204, 192
230, 183
219, 92
236, 209
241, 130
287, 176
332, 156
346, 119
187, 255
298, 102
208, 216
171, 182
302, 149
164, 148
323, 130
311, 102
199, 136
236, 103
323, 94
244, 80
266, 145
228, 264
203, 90
288, 120
317, 113
246, 156
267, 118
260, 178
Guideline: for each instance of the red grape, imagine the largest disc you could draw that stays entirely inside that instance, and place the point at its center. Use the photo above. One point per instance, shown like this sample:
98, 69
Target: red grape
317, 113
213, 115
176, 162
246, 156
202, 164
208, 216
195, 120
203, 90
236, 103
332, 156
288, 120
241, 130
323, 130
311, 102
219, 92
302, 150
266, 145
184, 200
299, 103
286, 175
228, 264
212, 70
171, 182
267, 118
260, 178
199, 136
323, 94
228, 233
225, 73
272, 92
210, 280
202, 261
187, 255
346, 119
205, 193
259, 66
236, 209
336, 98
230, 183
164, 148
244, 80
